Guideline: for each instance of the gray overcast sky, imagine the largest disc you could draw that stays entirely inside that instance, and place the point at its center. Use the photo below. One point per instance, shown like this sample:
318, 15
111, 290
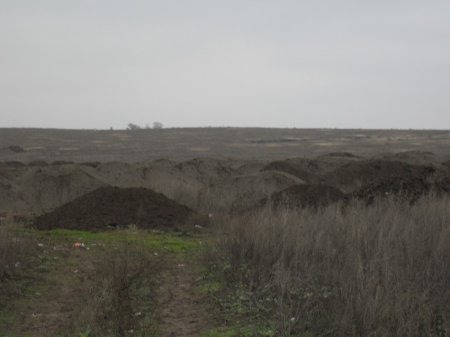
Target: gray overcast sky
285, 63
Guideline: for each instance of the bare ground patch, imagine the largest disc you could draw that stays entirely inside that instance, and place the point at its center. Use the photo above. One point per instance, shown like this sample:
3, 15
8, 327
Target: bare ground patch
184, 311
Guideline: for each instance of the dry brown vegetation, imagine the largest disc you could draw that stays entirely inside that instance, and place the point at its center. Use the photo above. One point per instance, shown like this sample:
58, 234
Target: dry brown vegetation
381, 270
123, 288
16, 251
186, 143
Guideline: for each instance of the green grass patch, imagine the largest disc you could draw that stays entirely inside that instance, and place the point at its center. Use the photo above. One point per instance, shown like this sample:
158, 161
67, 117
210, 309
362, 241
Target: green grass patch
173, 243
159, 242
211, 287
78, 235
246, 331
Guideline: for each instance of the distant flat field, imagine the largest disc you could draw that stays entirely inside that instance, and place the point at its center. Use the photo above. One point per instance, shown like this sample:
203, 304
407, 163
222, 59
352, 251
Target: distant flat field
185, 143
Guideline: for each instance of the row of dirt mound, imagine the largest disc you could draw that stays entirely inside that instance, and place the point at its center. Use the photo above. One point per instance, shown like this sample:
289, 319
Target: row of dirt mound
114, 207
353, 176
328, 180
222, 185
320, 195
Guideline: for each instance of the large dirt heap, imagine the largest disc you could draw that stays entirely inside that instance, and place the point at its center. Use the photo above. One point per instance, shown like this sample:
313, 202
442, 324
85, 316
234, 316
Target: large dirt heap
108, 207
312, 169
356, 175
409, 188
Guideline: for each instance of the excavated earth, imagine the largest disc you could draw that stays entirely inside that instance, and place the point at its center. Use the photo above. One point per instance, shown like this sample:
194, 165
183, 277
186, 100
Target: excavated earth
223, 185
111, 207
339, 178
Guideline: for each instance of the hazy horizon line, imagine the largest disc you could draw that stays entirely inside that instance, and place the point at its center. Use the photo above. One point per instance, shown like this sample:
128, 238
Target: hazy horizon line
141, 129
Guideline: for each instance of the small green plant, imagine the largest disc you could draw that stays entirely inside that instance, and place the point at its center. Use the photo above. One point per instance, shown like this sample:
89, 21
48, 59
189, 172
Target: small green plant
86, 333
245, 331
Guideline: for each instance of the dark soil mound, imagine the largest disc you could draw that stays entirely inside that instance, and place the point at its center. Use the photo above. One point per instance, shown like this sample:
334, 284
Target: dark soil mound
413, 157
16, 148
93, 164
205, 170
442, 185
311, 170
446, 164
38, 163
109, 207
304, 169
289, 167
340, 154
62, 162
409, 188
356, 175
305, 196
14, 164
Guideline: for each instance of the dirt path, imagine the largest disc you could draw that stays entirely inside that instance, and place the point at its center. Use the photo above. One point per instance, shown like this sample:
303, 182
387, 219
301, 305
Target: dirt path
57, 302
183, 309
53, 304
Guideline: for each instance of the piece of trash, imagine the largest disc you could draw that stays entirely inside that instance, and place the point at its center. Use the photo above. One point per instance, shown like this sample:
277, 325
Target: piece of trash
78, 245
198, 226
75, 271
155, 253
40, 245
138, 313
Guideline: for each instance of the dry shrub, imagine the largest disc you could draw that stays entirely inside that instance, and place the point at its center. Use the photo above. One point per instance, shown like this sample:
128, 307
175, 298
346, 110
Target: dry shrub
122, 296
382, 270
15, 253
